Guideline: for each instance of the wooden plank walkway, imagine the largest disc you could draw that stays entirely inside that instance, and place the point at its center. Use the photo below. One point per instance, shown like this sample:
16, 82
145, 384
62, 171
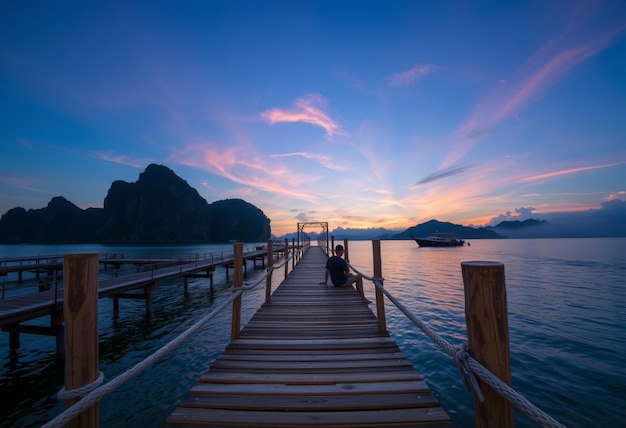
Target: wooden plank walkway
311, 357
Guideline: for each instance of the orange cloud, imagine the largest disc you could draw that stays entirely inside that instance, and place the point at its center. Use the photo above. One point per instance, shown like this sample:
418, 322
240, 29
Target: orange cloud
308, 110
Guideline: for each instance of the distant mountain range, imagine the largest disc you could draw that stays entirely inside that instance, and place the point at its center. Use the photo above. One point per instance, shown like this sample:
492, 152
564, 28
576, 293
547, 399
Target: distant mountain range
160, 207
608, 221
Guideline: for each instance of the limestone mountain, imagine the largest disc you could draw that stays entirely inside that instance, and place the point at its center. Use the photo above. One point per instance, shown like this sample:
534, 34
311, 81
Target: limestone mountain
158, 207
59, 222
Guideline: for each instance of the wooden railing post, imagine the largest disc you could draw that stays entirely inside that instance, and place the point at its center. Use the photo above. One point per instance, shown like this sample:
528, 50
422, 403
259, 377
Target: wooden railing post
80, 306
293, 260
488, 337
270, 264
380, 297
237, 283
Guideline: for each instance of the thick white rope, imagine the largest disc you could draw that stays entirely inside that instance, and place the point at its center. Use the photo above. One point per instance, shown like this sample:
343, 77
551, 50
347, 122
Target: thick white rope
282, 264
71, 394
92, 397
468, 366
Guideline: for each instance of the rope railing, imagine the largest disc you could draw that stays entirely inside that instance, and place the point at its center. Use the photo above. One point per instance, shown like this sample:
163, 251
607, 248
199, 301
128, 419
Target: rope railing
468, 366
96, 394
95, 391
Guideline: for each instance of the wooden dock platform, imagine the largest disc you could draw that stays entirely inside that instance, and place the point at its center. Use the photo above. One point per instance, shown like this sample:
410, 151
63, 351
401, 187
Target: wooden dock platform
139, 285
313, 356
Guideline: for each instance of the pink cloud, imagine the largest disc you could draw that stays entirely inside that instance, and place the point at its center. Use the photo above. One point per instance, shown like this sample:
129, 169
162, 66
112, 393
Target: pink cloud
308, 110
240, 165
322, 159
124, 160
532, 81
23, 183
405, 78
569, 171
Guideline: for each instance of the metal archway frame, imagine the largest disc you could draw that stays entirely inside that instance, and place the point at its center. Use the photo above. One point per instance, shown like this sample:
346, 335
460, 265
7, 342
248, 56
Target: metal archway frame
322, 224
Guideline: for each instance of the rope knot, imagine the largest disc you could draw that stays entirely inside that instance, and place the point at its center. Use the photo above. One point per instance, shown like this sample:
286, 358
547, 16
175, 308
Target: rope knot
70, 394
461, 355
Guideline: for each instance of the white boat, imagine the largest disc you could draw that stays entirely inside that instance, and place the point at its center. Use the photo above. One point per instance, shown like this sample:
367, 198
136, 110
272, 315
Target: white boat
440, 240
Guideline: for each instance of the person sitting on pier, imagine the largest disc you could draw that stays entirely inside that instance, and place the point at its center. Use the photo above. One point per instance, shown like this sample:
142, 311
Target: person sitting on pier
339, 272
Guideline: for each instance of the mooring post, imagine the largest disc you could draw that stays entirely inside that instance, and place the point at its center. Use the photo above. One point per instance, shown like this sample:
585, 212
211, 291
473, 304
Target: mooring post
488, 337
80, 306
270, 264
345, 250
380, 297
237, 283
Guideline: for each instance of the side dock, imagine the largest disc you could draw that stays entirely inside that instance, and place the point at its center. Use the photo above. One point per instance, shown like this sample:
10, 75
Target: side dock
140, 285
312, 356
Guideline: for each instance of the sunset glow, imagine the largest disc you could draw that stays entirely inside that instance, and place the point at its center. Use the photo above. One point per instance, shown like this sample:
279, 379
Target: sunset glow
401, 113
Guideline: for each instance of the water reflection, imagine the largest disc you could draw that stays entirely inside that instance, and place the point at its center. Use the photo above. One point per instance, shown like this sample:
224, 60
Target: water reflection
567, 310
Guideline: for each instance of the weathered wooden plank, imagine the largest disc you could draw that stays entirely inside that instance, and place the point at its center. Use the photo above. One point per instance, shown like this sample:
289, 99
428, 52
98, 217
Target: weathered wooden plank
299, 366
397, 417
300, 356
312, 389
290, 402
306, 379
378, 340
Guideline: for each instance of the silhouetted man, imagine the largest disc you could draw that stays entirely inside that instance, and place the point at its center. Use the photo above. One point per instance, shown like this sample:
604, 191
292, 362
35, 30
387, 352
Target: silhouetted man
340, 275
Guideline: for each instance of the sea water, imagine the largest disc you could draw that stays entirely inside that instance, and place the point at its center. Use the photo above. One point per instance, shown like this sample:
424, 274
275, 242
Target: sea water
566, 307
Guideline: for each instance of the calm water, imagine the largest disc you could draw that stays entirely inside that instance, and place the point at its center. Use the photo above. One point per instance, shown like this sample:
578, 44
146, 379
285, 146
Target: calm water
567, 314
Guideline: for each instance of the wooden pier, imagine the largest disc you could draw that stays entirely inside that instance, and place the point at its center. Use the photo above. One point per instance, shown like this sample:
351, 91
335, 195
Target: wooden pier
139, 285
313, 356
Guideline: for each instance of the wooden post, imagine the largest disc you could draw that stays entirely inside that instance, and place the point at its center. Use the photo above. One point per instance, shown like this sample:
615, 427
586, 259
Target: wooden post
488, 337
293, 260
380, 297
80, 276
270, 264
345, 250
237, 283
332, 246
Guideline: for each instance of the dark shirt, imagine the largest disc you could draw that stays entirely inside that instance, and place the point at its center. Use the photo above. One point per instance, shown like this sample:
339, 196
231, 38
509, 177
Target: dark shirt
337, 268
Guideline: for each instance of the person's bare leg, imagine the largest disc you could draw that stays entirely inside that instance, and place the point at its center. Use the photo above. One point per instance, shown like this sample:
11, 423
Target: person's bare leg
359, 288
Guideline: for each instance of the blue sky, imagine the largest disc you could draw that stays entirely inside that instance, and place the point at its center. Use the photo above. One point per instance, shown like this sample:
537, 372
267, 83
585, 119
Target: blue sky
359, 113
